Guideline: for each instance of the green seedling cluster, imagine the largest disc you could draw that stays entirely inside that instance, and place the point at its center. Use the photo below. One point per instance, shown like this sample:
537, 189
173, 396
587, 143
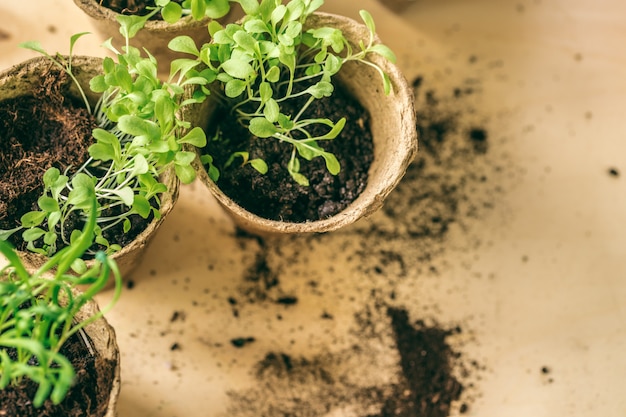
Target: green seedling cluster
39, 313
267, 61
139, 137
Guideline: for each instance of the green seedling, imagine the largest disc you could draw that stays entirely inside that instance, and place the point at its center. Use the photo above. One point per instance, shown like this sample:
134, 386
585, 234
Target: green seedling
172, 11
139, 137
268, 60
38, 312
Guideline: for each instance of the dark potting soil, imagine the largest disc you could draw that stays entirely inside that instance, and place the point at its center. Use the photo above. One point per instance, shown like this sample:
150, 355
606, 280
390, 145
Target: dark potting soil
36, 133
88, 396
311, 386
430, 386
39, 132
276, 195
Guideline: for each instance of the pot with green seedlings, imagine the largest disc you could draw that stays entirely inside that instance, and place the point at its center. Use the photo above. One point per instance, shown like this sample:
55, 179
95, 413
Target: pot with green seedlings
58, 354
161, 21
328, 118
134, 156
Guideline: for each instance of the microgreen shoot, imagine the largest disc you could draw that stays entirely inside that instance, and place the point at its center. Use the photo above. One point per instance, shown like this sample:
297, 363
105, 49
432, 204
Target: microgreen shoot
139, 136
39, 312
269, 59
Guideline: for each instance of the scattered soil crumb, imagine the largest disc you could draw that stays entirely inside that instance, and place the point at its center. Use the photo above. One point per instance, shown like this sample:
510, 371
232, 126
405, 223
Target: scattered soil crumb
240, 342
425, 384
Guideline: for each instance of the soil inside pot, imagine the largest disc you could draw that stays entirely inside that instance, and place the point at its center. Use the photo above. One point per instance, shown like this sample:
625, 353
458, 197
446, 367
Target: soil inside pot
36, 133
39, 132
276, 195
89, 395
133, 7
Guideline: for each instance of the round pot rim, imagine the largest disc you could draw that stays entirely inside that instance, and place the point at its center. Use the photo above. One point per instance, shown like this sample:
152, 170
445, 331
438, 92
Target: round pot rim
95, 10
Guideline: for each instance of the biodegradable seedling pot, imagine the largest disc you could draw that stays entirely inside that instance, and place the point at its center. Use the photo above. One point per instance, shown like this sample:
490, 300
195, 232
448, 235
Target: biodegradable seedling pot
20, 80
154, 37
103, 342
392, 125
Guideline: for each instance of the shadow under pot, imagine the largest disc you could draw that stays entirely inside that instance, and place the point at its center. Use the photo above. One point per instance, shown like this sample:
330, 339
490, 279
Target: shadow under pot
380, 129
44, 123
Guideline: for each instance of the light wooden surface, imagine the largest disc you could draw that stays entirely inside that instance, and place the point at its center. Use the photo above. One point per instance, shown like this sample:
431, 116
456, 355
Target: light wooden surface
537, 278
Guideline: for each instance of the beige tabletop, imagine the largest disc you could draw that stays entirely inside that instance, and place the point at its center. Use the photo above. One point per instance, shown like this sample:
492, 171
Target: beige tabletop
510, 228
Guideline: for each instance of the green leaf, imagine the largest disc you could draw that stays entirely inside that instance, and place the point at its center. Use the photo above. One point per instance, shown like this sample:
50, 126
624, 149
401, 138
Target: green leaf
238, 68
127, 225
332, 164
321, 89
101, 152
242, 154
285, 122
79, 266
53, 219
136, 126
97, 84
278, 13
265, 91
130, 25
216, 8
273, 75
73, 40
256, 26
184, 157
212, 170
368, 20
259, 165
33, 46
172, 12
142, 206
126, 194
261, 127
33, 218
30, 235
184, 44
49, 238
250, 7
336, 129
293, 167
185, 173
234, 88
271, 111
50, 177
5, 234
195, 137
387, 83
48, 204
214, 27
384, 51
140, 165
332, 64
246, 41
313, 6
